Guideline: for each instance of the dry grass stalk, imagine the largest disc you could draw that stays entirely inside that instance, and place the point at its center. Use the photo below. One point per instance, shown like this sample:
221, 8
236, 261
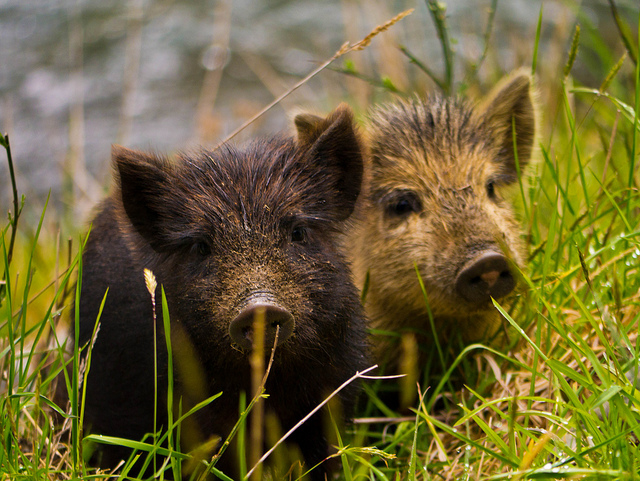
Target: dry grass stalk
346, 48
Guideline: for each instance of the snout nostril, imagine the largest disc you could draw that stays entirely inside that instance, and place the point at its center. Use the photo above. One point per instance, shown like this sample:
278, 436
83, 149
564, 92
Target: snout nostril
275, 316
491, 277
488, 275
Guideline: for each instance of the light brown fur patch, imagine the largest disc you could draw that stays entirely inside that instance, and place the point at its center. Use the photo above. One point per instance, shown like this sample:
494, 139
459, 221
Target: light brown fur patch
433, 199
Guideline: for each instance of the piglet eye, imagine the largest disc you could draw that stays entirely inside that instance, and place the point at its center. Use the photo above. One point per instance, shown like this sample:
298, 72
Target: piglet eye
402, 204
491, 191
402, 207
298, 234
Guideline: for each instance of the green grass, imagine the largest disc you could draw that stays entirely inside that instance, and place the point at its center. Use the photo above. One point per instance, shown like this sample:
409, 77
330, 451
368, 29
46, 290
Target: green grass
555, 402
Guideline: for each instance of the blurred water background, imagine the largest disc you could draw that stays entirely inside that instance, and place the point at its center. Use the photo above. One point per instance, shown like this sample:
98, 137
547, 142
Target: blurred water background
79, 75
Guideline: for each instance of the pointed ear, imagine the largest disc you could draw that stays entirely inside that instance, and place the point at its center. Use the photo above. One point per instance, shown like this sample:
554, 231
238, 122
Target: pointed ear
142, 183
334, 147
309, 127
509, 108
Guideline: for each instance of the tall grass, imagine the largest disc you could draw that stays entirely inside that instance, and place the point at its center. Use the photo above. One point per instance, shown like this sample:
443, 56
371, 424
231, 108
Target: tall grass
562, 402
30, 357
558, 400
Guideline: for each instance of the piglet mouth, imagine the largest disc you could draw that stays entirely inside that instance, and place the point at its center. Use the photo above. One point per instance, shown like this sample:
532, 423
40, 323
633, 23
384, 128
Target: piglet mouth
261, 306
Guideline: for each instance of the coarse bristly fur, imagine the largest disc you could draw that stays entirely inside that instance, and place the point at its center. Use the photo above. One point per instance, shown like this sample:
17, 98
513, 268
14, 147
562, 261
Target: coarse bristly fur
433, 199
215, 227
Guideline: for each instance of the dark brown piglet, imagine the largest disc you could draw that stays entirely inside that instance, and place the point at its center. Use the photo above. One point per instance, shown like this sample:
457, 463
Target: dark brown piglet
227, 233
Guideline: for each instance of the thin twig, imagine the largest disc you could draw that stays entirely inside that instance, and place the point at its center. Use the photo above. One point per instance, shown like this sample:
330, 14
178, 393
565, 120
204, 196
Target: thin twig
387, 85
422, 66
438, 13
152, 284
487, 32
13, 219
345, 49
393, 376
255, 399
357, 375
257, 371
487, 37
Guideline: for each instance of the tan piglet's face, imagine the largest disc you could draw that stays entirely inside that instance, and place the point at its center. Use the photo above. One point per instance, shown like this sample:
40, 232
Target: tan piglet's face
435, 199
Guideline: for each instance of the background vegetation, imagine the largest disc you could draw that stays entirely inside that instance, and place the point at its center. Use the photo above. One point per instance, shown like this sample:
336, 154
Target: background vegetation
558, 399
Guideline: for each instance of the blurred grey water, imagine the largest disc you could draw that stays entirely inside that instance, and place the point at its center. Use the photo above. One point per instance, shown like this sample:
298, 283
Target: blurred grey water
79, 75
64, 72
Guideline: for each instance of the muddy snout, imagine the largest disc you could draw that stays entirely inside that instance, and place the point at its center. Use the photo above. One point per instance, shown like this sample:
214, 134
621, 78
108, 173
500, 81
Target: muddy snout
485, 276
241, 327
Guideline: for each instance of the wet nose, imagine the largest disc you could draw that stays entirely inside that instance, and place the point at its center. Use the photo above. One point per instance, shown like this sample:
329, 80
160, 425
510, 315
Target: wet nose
241, 327
487, 275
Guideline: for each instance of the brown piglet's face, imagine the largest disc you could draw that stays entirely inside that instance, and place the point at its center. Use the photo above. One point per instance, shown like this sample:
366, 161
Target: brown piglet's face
232, 230
438, 171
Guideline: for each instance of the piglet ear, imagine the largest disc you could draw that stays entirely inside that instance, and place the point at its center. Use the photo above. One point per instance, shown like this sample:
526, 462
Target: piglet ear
334, 148
142, 183
309, 127
510, 108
